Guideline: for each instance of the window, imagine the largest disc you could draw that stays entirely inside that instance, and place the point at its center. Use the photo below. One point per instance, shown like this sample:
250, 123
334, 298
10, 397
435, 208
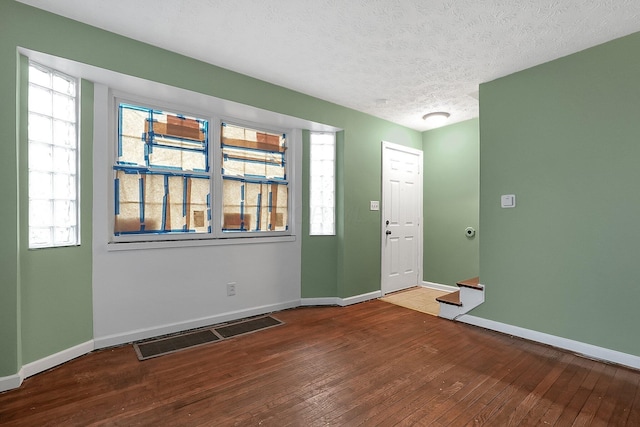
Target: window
322, 184
254, 180
166, 187
162, 179
53, 158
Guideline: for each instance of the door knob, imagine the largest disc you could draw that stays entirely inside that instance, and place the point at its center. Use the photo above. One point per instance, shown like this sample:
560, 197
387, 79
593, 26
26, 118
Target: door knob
387, 232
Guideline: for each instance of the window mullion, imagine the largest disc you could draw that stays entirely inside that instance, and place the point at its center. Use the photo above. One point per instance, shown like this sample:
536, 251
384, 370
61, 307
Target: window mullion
215, 156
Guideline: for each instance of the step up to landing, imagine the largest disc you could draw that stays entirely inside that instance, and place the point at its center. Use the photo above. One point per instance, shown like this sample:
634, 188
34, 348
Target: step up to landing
470, 295
453, 298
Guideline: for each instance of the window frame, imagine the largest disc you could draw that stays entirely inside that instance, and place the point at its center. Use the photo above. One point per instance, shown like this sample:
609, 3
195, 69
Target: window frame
77, 241
215, 121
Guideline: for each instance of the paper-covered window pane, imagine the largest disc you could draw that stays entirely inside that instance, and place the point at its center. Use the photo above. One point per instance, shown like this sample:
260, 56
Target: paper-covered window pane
251, 206
161, 203
154, 139
255, 188
53, 158
251, 153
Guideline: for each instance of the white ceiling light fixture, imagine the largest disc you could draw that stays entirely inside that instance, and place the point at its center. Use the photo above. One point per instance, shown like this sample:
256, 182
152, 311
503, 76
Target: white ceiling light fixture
435, 119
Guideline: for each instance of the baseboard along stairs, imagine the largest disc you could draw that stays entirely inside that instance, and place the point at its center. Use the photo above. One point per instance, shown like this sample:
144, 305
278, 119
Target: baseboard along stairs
455, 304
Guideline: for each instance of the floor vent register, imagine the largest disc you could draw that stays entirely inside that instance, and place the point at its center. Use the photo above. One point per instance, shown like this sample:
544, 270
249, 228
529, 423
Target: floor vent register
156, 347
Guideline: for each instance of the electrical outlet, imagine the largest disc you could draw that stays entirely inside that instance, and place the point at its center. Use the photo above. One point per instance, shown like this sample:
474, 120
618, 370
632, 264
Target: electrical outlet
231, 289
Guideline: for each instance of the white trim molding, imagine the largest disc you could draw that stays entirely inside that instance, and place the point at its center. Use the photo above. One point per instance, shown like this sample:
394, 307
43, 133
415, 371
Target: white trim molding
359, 298
57, 359
306, 302
439, 286
14, 381
584, 349
10, 382
342, 302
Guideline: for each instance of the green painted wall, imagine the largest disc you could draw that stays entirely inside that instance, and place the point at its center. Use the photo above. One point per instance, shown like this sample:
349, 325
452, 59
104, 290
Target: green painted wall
60, 275
357, 244
451, 199
564, 137
9, 285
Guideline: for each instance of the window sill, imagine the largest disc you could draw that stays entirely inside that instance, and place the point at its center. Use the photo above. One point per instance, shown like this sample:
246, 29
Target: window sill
168, 244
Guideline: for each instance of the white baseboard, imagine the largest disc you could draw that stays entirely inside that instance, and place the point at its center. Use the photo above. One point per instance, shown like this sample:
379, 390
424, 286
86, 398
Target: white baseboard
588, 350
140, 334
10, 382
304, 302
359, 298
440, 287
342, 302
57, 359
14, 381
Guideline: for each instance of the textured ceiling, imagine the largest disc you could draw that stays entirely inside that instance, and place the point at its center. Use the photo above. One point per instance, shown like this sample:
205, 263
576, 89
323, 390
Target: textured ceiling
394, 59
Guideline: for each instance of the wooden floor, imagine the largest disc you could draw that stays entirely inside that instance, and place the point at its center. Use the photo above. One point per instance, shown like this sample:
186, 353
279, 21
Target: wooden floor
368, 364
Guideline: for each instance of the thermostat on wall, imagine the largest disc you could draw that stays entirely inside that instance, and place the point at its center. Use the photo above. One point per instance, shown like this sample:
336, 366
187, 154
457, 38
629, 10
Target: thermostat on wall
508, 201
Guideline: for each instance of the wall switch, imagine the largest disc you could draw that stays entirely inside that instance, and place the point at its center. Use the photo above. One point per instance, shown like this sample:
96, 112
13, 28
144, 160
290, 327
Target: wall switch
508, 201
231, 289
374, 205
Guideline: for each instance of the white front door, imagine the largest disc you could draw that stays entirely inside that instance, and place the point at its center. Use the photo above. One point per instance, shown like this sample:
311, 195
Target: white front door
401, 217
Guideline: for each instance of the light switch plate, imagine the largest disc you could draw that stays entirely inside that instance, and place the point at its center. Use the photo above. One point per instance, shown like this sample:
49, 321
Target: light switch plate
374, 205
508, 201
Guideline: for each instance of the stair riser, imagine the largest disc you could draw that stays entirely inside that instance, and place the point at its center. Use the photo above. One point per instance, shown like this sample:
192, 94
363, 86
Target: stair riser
449, 311
470, 299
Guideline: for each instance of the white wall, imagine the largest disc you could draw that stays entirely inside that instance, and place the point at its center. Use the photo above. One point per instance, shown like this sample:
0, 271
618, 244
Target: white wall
144, 293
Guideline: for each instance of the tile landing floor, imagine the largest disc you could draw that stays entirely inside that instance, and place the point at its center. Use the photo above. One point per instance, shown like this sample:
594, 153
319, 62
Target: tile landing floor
417, 298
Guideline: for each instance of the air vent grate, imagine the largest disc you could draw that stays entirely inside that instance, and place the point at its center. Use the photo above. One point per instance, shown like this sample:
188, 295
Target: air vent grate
167, 345
247, 326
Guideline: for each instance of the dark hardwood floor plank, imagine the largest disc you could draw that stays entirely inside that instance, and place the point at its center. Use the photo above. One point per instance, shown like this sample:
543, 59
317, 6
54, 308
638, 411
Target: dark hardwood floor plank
561, 395
588, 412
540, 387
513, 389
625, 390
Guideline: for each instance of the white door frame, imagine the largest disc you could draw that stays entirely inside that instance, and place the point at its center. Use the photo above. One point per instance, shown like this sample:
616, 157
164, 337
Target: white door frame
418, 259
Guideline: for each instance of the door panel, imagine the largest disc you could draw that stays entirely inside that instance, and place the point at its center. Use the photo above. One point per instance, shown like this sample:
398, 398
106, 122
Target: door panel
401, 217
